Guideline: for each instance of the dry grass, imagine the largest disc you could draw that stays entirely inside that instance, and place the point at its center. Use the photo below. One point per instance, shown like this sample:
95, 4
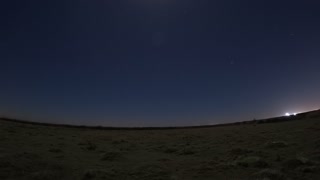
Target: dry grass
268, 151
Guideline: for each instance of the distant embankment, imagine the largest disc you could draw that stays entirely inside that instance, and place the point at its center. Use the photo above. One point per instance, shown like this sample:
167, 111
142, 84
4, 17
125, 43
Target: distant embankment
301, 116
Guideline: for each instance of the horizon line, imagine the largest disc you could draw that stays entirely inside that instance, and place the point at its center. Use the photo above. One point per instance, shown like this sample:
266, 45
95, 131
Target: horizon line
265, 120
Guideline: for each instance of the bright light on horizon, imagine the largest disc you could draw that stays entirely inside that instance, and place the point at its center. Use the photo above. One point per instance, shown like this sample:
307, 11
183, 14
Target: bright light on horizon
293, 114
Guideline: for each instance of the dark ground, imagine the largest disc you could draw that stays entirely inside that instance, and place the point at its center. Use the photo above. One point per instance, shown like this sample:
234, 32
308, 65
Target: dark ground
267, 151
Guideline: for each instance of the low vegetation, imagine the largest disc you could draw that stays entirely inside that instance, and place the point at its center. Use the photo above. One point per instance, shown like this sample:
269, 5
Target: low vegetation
288, 150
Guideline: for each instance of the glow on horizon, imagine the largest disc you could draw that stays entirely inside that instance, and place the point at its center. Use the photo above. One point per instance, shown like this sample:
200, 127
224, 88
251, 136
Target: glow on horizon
292, 114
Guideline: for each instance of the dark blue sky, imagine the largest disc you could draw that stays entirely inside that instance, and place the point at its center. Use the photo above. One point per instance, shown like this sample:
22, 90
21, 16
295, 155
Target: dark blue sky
158, 62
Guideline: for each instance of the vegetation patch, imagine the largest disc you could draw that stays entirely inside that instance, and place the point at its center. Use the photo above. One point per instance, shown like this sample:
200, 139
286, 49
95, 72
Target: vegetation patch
55, 150
112, 156
240, 151
277, 144
116, 142
29, 165
47, 174
171, 151
88, 145
309, 169
187, 152
300, 162
152, 172
270, 174
251, 161
99, 174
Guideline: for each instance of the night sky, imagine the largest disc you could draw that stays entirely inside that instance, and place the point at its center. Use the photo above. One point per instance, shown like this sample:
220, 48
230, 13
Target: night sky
158, 62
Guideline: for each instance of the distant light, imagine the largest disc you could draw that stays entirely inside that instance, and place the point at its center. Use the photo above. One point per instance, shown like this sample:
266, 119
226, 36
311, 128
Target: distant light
293, 114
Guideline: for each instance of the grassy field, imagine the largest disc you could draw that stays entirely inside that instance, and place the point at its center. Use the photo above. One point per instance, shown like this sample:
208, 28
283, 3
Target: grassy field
284, 150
